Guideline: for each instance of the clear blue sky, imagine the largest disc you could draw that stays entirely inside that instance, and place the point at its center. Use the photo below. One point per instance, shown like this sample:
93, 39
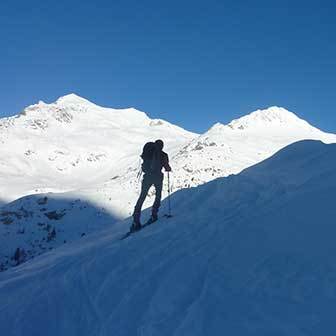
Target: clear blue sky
191, 62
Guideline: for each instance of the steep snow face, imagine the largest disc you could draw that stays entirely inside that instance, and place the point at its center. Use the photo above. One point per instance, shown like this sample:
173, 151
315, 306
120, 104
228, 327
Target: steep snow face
74, 143
250, 254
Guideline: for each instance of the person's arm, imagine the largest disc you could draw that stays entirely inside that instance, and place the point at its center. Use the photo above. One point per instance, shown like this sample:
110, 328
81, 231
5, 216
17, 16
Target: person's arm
166, 165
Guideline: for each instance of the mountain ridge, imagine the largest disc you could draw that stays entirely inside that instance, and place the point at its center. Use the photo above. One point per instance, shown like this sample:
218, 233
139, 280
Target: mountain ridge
57, 143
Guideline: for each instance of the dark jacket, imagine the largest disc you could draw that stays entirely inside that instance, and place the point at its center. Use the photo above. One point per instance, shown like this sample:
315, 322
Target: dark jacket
154, 165
165, 162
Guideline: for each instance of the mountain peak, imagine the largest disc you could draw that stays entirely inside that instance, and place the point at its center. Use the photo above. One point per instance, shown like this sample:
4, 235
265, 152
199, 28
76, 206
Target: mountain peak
274, 113
72, 98
273, 116
217, 127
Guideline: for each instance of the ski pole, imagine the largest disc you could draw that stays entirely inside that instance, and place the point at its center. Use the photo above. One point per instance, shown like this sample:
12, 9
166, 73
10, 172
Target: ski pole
139, 171
169, 204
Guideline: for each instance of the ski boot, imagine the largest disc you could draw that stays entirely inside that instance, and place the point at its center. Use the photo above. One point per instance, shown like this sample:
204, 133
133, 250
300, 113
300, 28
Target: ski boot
136, 225
152, 219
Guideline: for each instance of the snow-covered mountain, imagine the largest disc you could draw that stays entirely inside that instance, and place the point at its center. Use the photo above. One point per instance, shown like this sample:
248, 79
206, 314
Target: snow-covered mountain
249, 254
73, 143
228, 149
65, 153
225, 150
104, 191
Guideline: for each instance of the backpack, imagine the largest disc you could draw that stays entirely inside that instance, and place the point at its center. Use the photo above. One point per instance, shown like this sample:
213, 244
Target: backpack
151, 157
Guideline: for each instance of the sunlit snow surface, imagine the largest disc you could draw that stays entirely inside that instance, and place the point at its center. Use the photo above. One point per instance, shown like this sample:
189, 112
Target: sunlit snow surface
79, 165
73, 144
249, 254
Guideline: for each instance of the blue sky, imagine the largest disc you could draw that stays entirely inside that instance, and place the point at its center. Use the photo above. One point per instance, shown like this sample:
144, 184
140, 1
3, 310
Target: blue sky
191, 62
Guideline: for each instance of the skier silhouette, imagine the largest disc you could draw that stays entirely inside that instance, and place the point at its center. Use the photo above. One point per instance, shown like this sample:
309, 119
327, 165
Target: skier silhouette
154, 159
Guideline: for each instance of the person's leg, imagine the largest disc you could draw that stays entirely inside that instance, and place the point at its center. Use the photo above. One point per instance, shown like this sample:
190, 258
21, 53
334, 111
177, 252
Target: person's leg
146, 184
158, 192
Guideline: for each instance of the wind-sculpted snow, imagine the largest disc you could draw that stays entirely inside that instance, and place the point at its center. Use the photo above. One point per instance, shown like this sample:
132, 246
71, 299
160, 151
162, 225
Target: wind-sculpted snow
249, 254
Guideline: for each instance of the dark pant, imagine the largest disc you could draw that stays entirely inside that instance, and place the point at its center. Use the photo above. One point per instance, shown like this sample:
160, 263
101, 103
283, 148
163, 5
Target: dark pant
147, 182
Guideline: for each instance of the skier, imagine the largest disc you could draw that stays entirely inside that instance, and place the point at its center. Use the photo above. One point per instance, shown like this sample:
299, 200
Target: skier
154, 159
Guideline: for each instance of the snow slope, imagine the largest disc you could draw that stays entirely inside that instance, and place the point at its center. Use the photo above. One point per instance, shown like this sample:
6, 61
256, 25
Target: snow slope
35, 224
65, 153
249, 254
73, 143
221, 151
228, 149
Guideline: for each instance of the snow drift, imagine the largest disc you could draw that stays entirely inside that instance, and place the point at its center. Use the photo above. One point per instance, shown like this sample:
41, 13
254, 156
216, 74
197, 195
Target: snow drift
250, 254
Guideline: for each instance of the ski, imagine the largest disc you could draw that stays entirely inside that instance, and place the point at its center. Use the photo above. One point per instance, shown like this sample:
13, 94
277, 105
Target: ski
149, 222
130, 232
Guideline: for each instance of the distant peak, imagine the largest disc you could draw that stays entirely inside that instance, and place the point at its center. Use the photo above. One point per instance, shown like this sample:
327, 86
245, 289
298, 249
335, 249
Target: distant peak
218, 125
274, 113
72, 98
272, 116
